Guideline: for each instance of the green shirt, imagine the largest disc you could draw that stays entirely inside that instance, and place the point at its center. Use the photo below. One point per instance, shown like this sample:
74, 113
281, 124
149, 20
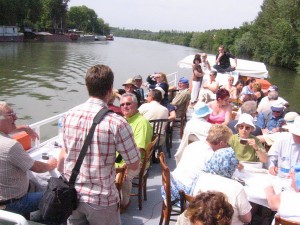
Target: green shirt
142, 131
245, 152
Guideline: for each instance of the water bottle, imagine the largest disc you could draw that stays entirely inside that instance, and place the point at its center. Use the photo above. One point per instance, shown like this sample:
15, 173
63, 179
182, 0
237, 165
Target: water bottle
60, 131
297, 175
284, 167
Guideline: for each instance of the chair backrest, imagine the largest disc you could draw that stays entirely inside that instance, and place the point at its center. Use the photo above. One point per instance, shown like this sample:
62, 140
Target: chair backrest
120, 175
165, 176
148, 156
281, 221
185, 199
159, 126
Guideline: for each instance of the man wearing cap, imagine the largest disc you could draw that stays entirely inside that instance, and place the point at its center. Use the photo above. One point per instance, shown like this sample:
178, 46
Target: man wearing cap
286, 145
271, 121
138, 83
273, 95
129, 87
196, 128
182, 97
246, 146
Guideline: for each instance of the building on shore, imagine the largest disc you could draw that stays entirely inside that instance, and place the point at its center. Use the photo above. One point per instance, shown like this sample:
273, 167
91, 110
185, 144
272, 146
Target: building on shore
10, 34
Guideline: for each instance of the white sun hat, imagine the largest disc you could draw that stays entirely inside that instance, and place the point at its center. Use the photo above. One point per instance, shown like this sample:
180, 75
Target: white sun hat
295, 128
247, 119
289, 119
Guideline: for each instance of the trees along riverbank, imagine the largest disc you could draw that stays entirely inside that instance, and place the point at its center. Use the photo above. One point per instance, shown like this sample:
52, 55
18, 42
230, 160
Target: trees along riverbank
273, 37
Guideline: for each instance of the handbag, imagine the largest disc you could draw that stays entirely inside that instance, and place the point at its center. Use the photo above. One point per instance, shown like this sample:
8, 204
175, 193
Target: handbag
60, 197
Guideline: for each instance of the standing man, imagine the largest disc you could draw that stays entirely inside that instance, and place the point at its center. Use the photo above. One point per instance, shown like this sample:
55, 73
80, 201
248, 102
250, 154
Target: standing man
95, 184
138, 83
223, 61
14, 164
142, 131
182, 97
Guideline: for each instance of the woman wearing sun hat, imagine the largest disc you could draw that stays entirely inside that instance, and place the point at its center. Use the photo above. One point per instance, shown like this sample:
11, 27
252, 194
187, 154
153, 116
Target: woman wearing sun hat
246, 146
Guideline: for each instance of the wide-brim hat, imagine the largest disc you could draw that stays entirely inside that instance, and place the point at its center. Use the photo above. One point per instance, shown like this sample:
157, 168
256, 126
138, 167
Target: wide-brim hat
129, 81
289, 119
247, 119
201, 110
295, 128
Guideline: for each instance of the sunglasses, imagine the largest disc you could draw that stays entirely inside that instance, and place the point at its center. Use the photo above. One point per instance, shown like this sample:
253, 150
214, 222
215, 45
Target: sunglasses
247, 128
276, 111
126, 103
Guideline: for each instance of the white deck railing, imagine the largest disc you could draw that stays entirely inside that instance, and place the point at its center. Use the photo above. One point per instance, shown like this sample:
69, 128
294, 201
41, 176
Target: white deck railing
172, 80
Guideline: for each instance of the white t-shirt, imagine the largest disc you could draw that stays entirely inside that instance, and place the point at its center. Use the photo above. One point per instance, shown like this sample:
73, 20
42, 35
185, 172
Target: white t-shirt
234, 191
289, 205
192, 162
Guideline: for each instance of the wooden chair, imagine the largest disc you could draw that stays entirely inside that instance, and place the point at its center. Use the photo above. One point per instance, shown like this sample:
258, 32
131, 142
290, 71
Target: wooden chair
282, 221
180, 122
168, 208
140, 182
120, 175
185, 199
159, 126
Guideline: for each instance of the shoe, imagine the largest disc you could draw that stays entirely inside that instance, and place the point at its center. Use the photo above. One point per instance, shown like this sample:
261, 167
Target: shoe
124, 207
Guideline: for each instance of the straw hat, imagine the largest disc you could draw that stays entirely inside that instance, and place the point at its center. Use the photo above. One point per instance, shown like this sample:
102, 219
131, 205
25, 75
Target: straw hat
129, 81
201, 110
295, 128
247, 119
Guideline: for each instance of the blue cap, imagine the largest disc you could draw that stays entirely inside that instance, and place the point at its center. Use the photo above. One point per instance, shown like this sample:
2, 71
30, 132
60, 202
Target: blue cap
184, 80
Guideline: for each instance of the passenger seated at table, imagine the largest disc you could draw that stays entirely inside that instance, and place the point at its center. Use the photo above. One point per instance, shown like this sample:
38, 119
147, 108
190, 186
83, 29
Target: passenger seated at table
230, 87
246, 146
286, 203
197, 126
14, 164
239, 87
194, 158
207, 208
248, 89
257, 91
142, 132
271, 121
216, 176
286, 145
209, 88
221, 108
248, 107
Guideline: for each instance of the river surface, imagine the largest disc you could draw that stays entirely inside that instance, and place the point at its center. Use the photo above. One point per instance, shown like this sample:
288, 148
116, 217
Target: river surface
43, 79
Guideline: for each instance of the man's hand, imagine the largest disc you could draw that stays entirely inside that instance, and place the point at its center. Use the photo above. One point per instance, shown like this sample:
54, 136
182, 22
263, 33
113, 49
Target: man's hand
273, 170
52, 162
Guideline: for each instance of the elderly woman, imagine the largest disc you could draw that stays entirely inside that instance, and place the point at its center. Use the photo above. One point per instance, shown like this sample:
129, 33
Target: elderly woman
159, 80
216, 176
221, 108
246, 146
230, 87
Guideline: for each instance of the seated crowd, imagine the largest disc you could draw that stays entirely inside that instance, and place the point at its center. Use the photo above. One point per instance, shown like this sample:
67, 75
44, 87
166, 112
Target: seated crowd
212, 147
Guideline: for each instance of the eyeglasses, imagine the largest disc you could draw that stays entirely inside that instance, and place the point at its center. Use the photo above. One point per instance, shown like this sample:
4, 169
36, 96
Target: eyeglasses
247, 128
13, 114
126, 103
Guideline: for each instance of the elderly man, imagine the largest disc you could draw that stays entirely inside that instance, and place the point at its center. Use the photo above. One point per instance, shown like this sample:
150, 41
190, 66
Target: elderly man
271, 121
14, 164
130, 87
138, 83
95, 184
142, 131
182, 97
196, 127
209, 88
286, 145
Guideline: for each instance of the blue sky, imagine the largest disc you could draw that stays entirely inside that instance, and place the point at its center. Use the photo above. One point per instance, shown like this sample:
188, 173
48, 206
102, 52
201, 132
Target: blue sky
180, 15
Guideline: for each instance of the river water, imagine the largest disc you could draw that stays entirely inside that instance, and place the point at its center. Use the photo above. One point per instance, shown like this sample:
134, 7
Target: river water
43, 79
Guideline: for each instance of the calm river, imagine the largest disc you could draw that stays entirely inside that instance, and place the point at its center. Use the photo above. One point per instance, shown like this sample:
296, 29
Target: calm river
43, 79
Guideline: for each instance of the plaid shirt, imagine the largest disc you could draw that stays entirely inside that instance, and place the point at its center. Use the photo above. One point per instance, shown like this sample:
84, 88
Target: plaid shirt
96, 181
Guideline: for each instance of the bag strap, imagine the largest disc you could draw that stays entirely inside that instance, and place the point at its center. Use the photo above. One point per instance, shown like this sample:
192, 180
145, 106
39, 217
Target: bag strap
99, 116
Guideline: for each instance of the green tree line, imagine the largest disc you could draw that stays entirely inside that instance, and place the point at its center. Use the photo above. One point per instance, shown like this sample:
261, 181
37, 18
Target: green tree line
273, 37
51, 15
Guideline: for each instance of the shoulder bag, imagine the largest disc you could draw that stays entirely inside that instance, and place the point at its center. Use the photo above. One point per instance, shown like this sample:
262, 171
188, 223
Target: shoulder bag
60, 197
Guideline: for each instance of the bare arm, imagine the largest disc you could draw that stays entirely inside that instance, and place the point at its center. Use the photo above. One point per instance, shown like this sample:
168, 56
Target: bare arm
227, 115
61, 160
41, 167
272, 198
172, 115
246, 218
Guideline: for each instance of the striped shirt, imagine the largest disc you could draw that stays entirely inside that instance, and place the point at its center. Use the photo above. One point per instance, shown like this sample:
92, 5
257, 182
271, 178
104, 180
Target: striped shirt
96, 181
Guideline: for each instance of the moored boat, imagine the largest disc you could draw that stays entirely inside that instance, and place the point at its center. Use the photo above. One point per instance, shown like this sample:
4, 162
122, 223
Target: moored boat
110, 37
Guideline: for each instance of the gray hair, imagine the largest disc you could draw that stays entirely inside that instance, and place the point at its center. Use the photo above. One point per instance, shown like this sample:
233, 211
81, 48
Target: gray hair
133, 97
273, 95
3, 105
249, 107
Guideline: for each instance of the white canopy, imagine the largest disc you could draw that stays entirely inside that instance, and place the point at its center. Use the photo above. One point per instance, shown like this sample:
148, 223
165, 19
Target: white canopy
244, 67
